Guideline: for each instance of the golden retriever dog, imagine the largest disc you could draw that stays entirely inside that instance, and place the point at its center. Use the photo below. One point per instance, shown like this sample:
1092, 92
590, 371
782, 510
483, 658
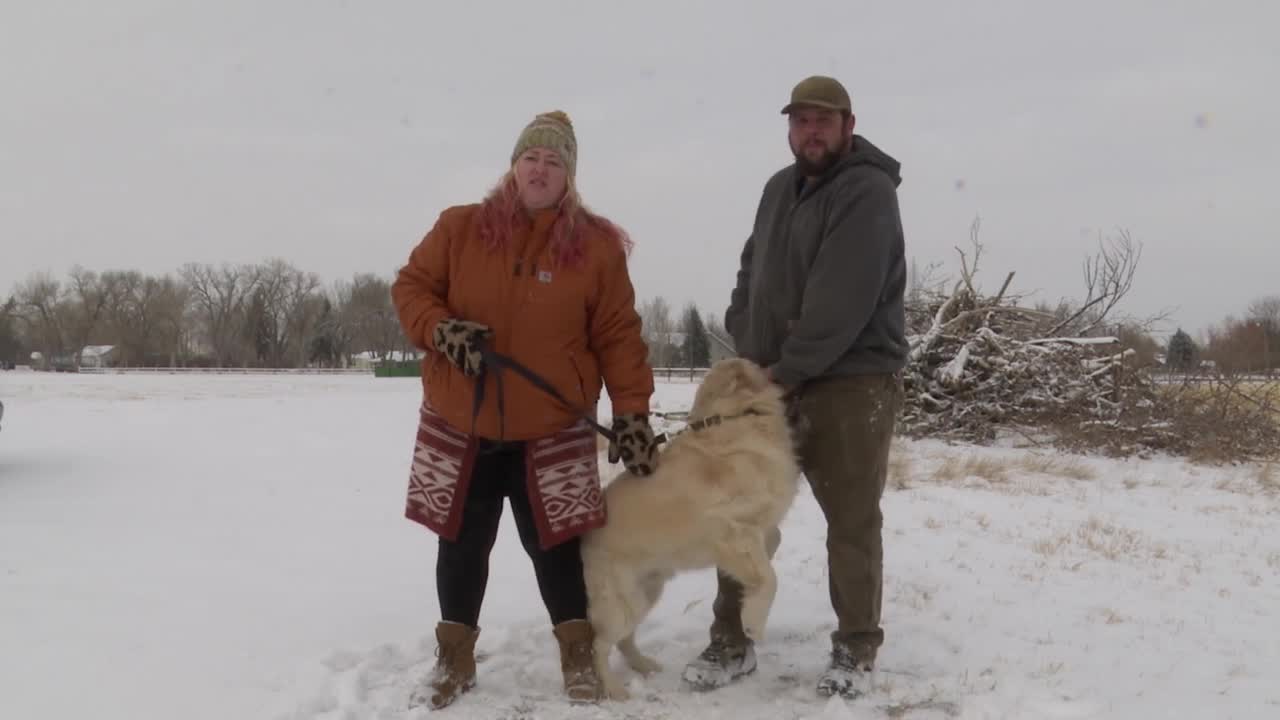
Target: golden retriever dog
720, 485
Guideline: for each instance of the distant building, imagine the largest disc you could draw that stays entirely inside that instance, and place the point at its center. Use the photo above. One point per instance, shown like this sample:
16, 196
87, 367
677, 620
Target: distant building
98, 356
368, 359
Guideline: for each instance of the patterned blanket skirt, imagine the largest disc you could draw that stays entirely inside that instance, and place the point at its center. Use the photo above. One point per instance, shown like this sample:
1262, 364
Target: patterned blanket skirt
562, 477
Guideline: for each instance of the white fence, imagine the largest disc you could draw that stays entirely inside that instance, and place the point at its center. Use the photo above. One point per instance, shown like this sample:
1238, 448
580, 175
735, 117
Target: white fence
223, 371
1197, 378
676, 374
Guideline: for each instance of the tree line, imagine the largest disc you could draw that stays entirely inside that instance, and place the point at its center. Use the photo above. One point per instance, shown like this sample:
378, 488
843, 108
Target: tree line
270, 314
1245, 343
274, 315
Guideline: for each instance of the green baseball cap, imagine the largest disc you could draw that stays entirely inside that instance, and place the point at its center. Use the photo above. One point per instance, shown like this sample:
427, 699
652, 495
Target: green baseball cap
819, 91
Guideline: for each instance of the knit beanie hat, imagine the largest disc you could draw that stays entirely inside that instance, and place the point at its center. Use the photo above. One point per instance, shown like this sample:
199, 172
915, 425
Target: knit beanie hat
551, 130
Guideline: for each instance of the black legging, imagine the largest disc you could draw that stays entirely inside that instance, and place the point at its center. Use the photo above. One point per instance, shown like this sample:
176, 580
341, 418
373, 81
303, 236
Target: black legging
462, 566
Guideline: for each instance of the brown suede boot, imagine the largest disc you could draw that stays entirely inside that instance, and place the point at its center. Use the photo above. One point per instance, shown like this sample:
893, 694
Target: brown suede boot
455, 669
577, 661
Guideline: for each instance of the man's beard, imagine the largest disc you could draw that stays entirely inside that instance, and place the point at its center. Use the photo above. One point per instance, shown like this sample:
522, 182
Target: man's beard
813, 168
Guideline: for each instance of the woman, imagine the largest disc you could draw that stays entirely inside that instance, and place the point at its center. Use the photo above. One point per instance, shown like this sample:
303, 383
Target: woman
532, 275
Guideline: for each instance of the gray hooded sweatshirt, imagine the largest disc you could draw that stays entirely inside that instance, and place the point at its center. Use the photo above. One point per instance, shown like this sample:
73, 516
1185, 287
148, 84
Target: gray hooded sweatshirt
820, 286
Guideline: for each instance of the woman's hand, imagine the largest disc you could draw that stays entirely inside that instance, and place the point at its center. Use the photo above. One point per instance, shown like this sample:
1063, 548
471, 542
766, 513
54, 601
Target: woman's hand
635, 444
459, 340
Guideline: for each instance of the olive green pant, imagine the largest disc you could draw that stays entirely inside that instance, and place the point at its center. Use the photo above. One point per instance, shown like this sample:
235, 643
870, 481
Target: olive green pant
844, 427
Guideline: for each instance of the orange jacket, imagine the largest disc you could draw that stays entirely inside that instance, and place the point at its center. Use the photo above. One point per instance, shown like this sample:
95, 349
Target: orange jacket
576, 327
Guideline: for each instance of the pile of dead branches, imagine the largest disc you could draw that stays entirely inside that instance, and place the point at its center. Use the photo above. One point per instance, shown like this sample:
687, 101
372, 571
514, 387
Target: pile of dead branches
982, 368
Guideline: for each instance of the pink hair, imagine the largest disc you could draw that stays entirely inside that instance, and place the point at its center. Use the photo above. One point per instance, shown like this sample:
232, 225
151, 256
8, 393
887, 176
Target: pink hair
501, 210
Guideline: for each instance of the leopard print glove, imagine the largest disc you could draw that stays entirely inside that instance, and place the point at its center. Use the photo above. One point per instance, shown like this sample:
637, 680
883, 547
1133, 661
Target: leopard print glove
635, 444
458, 340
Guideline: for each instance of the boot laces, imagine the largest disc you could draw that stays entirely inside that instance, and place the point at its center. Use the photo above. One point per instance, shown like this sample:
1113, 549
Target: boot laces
844, 658
720, 650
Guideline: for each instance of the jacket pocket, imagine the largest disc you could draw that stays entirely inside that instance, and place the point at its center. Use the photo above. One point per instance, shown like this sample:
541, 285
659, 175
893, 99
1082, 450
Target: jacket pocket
577, 373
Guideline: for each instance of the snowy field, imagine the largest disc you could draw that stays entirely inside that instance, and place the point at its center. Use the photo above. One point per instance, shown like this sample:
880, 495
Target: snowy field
233, 548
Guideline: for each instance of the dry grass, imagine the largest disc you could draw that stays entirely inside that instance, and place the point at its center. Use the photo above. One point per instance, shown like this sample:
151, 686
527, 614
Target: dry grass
1059, 466
1003, 471
899, 470
991, 469
1221, 420
1261, 478
1102, 538
1053, 545
1108, 539
1111, 617
1247, 391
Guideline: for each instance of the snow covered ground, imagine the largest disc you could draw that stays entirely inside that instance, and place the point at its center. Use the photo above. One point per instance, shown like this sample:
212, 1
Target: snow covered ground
234, 548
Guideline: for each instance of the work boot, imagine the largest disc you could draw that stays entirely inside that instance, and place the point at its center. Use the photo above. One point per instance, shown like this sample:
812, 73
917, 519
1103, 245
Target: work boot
455, 669
849, 672
577, 661
731, 654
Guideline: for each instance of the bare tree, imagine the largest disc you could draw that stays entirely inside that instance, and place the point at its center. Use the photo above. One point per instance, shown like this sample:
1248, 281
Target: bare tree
88, 295
371, 318
169, 307
12, 343
1266, 310
331, 342
657, 328
143, 312
1266, 313
1108, 277
218, 296
37, 302
284, 309
126, 315
923, 281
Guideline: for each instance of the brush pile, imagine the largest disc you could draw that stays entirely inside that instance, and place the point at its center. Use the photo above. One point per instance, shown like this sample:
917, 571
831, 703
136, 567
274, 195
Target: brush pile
983, 368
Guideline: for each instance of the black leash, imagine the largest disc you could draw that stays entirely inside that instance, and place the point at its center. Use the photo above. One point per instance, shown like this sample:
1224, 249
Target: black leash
500, 363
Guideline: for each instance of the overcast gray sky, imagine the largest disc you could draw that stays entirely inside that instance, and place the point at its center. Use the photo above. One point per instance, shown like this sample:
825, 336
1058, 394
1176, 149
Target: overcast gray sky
148, 133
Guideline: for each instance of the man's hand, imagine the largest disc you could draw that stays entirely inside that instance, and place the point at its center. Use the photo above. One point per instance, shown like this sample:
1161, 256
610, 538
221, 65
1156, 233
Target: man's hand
635, 444
459, 341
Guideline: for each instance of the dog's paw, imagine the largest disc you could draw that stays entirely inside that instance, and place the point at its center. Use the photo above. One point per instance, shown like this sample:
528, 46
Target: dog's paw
645, 665
618, 692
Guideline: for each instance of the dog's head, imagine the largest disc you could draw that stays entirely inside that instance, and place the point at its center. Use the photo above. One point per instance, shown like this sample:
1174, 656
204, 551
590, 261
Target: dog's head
734, 386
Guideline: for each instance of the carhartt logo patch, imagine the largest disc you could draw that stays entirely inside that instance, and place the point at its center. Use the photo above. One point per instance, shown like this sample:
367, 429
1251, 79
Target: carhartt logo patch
544, 276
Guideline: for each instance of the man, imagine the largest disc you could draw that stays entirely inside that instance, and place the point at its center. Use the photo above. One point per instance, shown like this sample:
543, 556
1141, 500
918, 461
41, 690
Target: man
819, 302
